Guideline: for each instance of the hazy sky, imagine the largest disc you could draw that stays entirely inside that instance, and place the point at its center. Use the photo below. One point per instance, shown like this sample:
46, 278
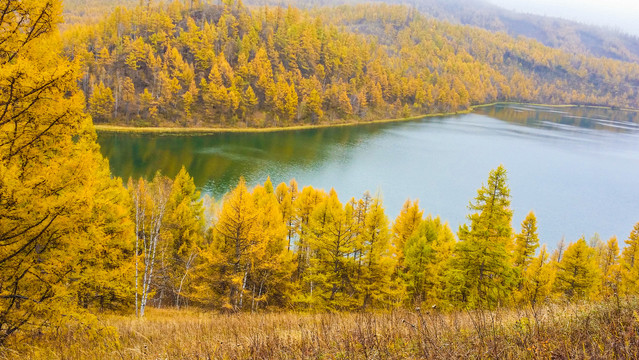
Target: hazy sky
617, 14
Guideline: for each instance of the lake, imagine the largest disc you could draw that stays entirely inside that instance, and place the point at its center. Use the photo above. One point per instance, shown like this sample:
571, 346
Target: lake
577, 168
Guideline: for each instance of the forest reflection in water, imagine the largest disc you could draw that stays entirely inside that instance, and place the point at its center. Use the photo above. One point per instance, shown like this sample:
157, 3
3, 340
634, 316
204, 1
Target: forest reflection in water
576, 167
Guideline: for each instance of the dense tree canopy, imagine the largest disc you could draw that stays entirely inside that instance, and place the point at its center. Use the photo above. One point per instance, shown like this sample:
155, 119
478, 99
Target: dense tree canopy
281, 247
570, 36
224, 65
64, 226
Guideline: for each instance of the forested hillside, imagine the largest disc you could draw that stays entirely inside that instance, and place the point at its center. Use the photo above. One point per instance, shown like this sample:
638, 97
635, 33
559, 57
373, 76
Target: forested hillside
90, 11
567, 35
182, 65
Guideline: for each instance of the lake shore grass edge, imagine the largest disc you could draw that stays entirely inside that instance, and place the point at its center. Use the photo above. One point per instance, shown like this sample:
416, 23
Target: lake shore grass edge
218, 130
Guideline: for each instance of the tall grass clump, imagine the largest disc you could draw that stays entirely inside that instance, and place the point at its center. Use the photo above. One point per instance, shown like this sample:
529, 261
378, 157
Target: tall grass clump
608, 330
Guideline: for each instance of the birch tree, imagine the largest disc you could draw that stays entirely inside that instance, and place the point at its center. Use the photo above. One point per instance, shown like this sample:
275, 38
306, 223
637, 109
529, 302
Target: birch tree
149, 206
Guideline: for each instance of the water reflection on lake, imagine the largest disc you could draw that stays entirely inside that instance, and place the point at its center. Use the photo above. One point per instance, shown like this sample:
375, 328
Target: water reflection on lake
577, 168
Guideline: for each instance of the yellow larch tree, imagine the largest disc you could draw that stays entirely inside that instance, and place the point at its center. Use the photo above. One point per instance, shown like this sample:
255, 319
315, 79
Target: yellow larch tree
237, 235
630, 262
376, 257
56, 214
538, 279
577, 272
183, 232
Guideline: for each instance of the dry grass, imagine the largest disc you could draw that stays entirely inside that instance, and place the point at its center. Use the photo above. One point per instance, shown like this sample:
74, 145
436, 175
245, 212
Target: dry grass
593, 331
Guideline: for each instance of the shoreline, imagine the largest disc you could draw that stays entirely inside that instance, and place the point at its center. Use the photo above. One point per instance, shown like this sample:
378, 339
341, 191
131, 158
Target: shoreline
221, 130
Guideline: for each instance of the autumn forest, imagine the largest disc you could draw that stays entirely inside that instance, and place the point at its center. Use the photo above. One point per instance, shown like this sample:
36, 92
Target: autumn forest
226, 65
94, 266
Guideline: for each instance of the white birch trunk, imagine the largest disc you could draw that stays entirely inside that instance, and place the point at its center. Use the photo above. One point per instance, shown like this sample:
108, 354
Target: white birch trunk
149, 244
243, 287
187, 267
137, 240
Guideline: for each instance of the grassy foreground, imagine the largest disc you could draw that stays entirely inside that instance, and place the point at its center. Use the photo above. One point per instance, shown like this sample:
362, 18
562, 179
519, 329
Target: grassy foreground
569, 331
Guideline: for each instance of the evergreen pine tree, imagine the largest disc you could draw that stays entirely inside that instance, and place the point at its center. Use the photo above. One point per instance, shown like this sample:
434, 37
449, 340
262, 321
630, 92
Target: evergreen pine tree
480, 272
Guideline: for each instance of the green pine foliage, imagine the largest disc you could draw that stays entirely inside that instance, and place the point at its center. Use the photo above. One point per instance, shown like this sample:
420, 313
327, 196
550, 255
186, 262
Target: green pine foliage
427, 252
630, 261
481, 273
577, 272
526, 242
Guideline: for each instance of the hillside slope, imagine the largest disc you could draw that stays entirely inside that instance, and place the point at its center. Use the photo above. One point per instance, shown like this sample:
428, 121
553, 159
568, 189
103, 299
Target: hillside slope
228, 66
554, 32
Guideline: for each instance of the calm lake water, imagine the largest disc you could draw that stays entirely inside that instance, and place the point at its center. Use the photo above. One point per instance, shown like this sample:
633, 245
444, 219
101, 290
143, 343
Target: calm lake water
577, 168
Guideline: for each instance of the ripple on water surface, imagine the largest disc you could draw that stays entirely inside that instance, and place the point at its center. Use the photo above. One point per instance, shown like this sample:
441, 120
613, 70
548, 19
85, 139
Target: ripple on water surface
577, 168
